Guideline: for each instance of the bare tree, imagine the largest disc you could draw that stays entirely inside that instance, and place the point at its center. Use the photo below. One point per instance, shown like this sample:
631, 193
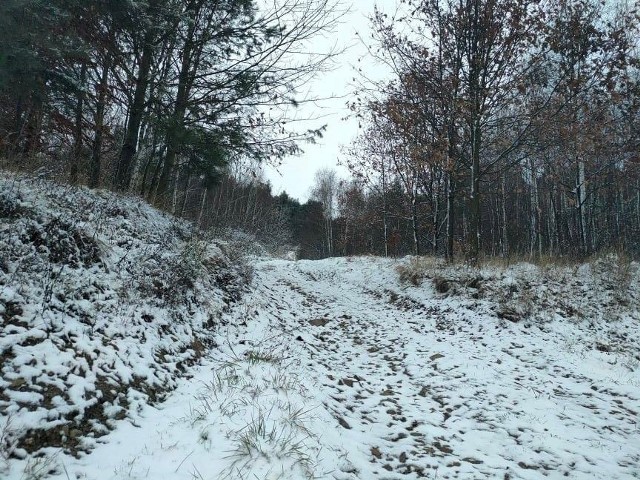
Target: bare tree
325, 191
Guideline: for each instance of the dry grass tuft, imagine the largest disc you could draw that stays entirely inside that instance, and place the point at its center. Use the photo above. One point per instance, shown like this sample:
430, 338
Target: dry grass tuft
417, 269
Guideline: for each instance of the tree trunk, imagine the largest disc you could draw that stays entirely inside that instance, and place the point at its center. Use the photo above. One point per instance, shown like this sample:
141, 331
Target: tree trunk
95, 166
475, 85
581, 199
125, 167
329, 226
535, 245
151, 167
414, 214
174, 136
185, 197
555, 215
450, 216
15, 137
436, 218
76, 156
474, 200
638, 204
346, 236
174, 197
32, 128
203, 201
384, 212
505, 229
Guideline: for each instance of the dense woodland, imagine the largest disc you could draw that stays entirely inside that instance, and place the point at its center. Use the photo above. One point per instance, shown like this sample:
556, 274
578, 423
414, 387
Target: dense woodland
156, 97
510, 127
507, 128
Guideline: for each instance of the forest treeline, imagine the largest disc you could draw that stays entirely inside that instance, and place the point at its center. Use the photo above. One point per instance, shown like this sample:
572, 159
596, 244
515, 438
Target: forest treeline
155, 97
507, 127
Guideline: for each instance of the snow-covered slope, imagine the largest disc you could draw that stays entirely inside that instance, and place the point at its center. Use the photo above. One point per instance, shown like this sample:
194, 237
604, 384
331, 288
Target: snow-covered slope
104, 303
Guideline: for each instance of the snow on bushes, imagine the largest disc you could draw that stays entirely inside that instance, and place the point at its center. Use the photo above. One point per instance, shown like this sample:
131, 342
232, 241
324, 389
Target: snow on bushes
104, 302
603, 288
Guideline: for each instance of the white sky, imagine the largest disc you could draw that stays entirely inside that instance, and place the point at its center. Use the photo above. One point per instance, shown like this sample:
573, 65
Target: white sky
296, 174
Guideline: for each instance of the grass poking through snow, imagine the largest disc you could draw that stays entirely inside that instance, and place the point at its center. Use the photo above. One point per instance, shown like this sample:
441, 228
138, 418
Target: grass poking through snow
261, 408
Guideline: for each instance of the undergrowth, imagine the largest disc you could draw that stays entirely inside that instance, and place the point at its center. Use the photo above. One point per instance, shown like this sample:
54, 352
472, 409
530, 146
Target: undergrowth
101, 294
542, 291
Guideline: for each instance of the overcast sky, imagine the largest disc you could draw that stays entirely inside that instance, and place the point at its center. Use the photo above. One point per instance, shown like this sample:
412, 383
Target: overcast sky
296, 174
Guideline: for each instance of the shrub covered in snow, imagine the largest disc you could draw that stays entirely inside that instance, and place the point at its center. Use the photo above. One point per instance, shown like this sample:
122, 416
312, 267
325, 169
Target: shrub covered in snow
605, 287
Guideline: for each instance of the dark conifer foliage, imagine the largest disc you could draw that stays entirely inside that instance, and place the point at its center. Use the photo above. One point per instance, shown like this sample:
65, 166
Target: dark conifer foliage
154, 96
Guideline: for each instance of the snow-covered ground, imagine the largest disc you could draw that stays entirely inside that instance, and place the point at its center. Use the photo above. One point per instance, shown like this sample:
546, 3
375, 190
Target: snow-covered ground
435, 385
104, 303
337, 369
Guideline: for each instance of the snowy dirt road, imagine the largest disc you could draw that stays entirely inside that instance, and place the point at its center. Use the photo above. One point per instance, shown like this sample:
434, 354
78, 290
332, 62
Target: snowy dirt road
334, 370
422, 385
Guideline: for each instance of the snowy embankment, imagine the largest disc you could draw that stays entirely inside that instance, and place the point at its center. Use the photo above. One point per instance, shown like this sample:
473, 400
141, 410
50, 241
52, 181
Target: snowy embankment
344, 369
104, 304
